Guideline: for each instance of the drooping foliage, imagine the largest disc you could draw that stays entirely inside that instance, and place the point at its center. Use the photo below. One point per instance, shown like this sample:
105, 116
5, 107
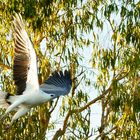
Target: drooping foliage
99, 41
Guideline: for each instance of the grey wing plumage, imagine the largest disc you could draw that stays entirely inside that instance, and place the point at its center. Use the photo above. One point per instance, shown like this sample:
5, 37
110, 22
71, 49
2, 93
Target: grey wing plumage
58, 84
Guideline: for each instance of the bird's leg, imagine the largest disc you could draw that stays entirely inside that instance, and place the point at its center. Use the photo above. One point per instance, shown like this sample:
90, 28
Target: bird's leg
10, 108
21, 111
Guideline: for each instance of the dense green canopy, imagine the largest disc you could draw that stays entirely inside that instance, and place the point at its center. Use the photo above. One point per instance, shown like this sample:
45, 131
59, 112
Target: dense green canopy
61, 32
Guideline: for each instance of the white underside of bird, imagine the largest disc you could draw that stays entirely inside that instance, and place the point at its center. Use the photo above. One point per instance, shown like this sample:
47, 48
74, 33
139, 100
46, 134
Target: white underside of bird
29, 93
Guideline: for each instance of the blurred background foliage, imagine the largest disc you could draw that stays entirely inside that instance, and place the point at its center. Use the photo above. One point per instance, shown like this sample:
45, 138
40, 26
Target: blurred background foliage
62, 31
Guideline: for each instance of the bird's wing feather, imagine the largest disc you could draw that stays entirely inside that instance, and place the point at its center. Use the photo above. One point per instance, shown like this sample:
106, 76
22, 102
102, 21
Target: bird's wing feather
25, 65
58, 84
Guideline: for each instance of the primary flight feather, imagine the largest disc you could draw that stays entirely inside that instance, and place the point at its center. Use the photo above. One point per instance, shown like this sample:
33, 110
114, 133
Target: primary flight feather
29, 93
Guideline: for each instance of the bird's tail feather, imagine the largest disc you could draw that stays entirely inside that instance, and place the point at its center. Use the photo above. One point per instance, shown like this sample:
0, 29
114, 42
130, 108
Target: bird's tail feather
3, 101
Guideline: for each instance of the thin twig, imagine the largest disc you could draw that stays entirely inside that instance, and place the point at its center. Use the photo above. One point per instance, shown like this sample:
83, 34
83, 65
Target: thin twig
54, 105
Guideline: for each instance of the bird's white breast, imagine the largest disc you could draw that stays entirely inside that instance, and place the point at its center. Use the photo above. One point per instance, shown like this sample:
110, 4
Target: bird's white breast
35, 98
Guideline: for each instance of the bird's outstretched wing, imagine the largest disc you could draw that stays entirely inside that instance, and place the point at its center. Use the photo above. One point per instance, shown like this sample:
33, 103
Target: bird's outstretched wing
25, 65
58, 84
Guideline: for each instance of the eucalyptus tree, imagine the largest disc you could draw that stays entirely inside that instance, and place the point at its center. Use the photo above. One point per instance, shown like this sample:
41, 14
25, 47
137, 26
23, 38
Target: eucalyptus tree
61, 31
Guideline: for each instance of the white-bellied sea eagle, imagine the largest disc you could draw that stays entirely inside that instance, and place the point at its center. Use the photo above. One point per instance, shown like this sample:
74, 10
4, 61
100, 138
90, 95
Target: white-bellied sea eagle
29, 93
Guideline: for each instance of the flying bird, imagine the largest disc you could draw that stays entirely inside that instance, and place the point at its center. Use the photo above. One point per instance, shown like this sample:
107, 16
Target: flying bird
29, 93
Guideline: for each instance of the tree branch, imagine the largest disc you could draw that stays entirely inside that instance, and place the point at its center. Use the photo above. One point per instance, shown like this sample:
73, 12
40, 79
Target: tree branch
60, 131
93, 101
54, 106
120, 76
104, 134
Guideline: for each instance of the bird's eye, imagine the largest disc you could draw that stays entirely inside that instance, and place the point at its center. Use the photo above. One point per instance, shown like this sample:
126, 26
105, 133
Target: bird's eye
52, 95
